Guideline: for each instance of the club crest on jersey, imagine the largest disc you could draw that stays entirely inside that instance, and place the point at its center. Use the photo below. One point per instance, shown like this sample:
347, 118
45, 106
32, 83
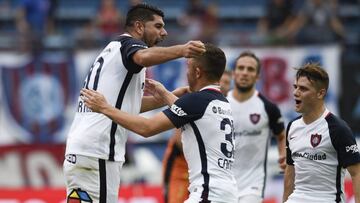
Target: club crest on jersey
254, 118
315, 140
36, 95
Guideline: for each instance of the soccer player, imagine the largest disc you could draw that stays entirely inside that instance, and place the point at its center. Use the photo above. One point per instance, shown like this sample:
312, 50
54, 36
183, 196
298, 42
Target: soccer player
205, 119
95, 143
320, 146
175, 169
255, 119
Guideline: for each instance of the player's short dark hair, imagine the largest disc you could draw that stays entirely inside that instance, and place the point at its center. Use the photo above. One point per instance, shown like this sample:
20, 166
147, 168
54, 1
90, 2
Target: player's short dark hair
252, 55
142, 12
315, 74
213, 62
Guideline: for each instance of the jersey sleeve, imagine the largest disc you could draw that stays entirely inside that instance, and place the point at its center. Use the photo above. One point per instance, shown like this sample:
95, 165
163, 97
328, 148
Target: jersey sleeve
186, 109
276, 122
289, 159
344, 143
129, 46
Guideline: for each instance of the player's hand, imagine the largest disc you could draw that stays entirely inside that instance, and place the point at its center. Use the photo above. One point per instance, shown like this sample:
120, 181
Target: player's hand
94, 100
282, 162
180, 91
193, 49
156, 89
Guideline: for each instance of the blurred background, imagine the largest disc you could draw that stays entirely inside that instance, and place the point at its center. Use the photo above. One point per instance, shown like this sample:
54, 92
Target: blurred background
48, 46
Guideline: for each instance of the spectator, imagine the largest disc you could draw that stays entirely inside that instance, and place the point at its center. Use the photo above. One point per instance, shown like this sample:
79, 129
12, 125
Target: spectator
278, 17
88, 36
210, 24
32, 16
192, 20
109, 19
317, 22
32, 22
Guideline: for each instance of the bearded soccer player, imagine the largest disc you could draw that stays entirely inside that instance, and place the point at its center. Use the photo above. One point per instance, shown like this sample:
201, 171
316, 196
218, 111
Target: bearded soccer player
255, 119
205, 119
95, 142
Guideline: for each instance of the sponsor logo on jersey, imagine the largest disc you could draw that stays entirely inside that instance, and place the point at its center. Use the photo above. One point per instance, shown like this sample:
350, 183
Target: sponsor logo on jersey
354, 148
139, 45
310, 156
315, 140
248, 133
254, 118
177, 110
222, 111
37, 94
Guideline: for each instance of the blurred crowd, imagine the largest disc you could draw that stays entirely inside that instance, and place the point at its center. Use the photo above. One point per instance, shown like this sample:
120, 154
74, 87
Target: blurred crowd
283, 22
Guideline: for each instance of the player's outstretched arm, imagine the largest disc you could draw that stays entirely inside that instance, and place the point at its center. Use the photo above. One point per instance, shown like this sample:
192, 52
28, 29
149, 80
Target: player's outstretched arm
149, 103
289, 177
157, 55
158, 91
145, 127
354, 171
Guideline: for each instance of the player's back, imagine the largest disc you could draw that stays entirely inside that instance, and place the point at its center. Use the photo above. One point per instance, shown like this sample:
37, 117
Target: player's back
208, 147
93, 134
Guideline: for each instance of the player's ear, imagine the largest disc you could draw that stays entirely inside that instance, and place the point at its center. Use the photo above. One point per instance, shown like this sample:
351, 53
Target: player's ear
321, 93
198, 72
139, 27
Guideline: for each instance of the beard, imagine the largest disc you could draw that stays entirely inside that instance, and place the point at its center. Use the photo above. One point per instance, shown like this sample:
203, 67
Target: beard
243, 89
151, 43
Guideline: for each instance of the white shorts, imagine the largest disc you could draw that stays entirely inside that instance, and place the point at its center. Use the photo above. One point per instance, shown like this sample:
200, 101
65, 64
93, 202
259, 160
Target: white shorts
195, 197
306, 198
250, 198
92, 178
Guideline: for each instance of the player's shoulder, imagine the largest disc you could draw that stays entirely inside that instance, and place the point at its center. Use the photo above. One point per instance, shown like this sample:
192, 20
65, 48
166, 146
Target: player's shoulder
126, 39
266, 101
200, 100
209, 95
293, 122
336, 124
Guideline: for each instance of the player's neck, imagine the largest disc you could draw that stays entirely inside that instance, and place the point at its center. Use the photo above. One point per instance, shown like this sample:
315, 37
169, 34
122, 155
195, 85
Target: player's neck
315, 113
132, 34
243, 96
202, 83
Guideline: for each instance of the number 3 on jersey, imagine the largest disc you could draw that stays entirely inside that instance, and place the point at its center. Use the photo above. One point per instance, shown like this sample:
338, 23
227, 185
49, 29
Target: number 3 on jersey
97, 66
228, 137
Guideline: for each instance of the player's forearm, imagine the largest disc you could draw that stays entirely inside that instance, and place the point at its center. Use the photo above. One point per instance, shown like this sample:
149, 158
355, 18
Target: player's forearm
157, 55
169, 98
149, 103
356, 189
288, 182
281, 144
137, 124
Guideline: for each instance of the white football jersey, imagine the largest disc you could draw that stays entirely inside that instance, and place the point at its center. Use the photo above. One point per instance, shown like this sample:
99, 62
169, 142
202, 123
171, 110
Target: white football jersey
207, 136
121, 81
254, 121
320, 152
